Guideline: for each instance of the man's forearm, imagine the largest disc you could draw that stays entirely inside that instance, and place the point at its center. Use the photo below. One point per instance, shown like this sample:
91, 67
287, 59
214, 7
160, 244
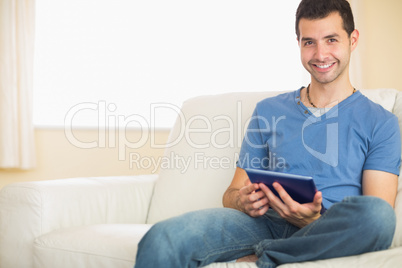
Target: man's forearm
231, 199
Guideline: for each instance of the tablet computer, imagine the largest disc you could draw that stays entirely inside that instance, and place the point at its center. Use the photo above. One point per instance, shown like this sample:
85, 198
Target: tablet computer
301, 188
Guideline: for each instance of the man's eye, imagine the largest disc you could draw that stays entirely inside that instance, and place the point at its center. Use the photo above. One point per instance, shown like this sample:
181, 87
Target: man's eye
332, 40
308, 43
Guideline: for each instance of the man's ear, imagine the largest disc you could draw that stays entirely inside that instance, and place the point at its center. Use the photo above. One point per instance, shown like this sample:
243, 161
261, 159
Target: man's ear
354, 39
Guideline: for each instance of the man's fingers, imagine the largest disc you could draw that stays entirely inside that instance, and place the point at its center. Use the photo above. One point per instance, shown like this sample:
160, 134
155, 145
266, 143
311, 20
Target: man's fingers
248, 189
255, 202
260, 203
271, 196
318, 198
282, 193
317, 202
255, 196
259, 211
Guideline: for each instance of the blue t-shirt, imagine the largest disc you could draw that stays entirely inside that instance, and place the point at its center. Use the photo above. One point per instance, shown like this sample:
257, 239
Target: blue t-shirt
354, 135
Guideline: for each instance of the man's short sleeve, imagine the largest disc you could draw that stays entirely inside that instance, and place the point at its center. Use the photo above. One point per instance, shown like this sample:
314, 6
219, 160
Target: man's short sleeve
385, 148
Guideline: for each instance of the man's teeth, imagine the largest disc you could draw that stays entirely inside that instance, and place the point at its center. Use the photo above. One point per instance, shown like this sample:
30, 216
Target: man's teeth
324, 66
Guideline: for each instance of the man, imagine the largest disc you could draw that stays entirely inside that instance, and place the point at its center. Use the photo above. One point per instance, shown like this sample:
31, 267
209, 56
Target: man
330, 131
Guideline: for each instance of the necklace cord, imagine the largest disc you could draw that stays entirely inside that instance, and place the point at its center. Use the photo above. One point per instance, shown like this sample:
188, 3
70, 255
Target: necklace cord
308, 95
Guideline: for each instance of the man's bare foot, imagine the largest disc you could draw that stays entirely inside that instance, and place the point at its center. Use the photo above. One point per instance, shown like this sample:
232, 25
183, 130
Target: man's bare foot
249, 258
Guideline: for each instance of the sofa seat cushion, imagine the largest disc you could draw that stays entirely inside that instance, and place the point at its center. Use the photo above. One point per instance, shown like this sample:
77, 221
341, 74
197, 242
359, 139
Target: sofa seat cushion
386, 258
105, 245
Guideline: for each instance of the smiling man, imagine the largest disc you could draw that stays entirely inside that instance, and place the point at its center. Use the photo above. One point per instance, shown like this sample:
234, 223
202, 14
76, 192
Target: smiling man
348, 144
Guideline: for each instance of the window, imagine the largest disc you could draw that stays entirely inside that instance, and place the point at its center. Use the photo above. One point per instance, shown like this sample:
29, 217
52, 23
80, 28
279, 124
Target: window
96, 59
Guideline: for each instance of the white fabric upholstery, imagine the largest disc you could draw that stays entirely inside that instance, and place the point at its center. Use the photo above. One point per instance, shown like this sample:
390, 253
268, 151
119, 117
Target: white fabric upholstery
29, 210
388, 259
104, 245
98, 222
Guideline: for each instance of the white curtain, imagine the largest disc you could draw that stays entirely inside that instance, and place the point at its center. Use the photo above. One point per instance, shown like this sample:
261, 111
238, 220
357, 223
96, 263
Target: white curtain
17, 18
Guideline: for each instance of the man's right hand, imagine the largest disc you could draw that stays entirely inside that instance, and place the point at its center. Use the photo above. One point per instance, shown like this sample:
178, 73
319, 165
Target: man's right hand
243, 195
255, 203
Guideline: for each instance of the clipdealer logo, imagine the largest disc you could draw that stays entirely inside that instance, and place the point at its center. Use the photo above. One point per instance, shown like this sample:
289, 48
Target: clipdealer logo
112, 128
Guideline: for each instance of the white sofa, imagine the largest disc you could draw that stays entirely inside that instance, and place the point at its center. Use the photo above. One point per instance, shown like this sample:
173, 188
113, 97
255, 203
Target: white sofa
97, 222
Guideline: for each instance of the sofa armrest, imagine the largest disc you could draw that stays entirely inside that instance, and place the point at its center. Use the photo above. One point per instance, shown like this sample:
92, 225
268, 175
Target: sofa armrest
30, 209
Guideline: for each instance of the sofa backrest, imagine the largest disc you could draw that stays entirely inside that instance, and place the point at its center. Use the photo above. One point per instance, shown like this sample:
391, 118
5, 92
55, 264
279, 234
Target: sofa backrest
200, 158
202, 150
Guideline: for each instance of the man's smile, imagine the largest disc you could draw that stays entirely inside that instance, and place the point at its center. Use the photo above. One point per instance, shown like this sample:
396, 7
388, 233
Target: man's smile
323, 67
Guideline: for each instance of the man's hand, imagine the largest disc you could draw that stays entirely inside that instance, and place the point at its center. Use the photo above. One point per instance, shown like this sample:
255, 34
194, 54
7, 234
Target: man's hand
243, 195
297, 214
253, 202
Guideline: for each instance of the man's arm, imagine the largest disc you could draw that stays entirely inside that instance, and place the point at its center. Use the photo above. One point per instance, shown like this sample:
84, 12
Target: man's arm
241, 195
380, 184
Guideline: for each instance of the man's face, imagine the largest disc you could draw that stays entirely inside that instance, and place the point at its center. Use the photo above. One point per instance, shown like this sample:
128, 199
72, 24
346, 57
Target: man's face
325, 47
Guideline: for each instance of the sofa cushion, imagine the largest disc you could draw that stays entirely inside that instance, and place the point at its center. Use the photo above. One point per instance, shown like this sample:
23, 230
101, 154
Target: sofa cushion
203, 148
386, 97
105, 245
386, 258
31, 209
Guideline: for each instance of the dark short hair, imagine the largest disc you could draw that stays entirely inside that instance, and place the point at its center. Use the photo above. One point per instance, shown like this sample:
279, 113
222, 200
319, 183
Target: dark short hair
319, 9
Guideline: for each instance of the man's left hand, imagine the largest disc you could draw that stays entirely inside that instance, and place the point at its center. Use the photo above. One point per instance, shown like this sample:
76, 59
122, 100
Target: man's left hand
297, 214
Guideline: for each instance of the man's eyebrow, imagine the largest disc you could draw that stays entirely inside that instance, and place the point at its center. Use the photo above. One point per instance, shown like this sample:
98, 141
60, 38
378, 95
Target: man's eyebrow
307, 39
334, 35
331, 36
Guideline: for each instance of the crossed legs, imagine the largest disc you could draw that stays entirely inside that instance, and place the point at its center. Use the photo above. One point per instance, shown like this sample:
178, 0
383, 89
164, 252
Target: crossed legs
202, 237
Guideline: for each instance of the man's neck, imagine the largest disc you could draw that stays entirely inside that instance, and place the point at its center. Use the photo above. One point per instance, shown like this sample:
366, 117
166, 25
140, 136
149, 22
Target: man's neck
327, 95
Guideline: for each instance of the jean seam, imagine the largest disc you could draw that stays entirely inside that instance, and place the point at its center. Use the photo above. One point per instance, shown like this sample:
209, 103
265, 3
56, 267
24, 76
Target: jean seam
259, 251
226, 250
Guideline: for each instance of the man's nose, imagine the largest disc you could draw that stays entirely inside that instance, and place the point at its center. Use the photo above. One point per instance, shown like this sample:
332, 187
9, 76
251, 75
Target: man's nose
321, 52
